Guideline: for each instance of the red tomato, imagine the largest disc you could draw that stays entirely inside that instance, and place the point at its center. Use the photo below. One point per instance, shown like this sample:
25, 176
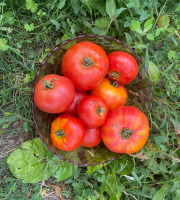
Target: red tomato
92, 111
54, 93
67, 132
72, 109
113, 93
92, 137
126, 130
86, 64
123, 67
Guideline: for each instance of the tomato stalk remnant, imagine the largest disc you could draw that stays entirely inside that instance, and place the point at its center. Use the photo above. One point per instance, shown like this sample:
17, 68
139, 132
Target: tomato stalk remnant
114, 74
99, 110
60, 133
114, 83
126, 133
88, 62
47, 85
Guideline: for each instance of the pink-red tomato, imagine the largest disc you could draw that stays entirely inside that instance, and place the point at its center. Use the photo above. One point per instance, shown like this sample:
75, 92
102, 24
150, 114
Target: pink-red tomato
126, 130
113, 93
54, 93
72, 109
92, 111
86, 64
67, 132
123, 67
92, 137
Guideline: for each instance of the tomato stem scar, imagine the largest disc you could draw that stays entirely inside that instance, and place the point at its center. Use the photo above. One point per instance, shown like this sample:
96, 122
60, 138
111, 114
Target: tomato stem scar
47, 85
60, 133
99, 110
88, 62
114, 74
126, 133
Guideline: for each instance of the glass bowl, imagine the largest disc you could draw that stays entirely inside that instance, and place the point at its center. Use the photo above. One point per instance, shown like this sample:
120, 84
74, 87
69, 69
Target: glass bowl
139, 95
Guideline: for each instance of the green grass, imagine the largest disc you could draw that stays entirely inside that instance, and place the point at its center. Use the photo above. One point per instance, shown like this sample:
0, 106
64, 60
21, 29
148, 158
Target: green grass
30, 29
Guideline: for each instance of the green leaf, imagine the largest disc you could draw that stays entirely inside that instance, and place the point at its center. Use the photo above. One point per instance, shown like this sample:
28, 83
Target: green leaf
123, 165
135, 26
110, 8
160, 194
128, 39
153, 71
31, 5
144, 15
93, 168
171, 54
29, 27
99, 5
61, 4
148, 24
56, 23
30, 77
29, 162
75, 6
61, 170
118, 12
3, 44
102, 23
150, 36
110, 186
158, 31
8, 17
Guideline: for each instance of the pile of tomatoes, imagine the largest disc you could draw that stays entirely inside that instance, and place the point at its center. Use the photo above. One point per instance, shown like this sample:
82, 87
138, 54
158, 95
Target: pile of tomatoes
90, 98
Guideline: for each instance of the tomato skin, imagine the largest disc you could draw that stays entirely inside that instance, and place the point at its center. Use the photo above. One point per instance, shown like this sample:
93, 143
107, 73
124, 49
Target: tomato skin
113, 96
72, 109
124, 64
85, 77
125, 117
56, 99
92, 137
73, 130
92, 111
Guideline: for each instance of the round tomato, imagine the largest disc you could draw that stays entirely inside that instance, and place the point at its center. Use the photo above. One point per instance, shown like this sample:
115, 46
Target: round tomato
86, 64
126, 130
113, 93
123, 67
92, 111
67, 132
72, 109
92, 137
54, 93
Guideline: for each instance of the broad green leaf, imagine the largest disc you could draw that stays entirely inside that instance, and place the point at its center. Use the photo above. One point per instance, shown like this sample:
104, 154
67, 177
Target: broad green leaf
110, 8
61, 169
102, 23
144, 15
123, 165
3, 44
75, 6
8, 17
99, 5
150, 36
31, 5
148, 24
110, 186
158, 31
93, 168
171, 54
153, 71
61, 4
128, 39
56, 23
160, 194
29, 27
29, 162
30, 77
135, 26
118, 12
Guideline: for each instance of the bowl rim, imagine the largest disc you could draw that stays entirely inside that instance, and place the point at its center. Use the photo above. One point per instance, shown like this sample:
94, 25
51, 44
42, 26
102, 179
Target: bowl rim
35, 80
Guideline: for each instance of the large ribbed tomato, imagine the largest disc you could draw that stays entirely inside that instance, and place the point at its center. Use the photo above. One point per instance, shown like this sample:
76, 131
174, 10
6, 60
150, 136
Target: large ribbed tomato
123, 67
92, 111
126, 130
67, 132
113, 93
54, 93
86, 64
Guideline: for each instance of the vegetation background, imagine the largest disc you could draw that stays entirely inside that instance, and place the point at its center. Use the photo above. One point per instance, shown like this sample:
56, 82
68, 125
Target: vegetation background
29, 29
